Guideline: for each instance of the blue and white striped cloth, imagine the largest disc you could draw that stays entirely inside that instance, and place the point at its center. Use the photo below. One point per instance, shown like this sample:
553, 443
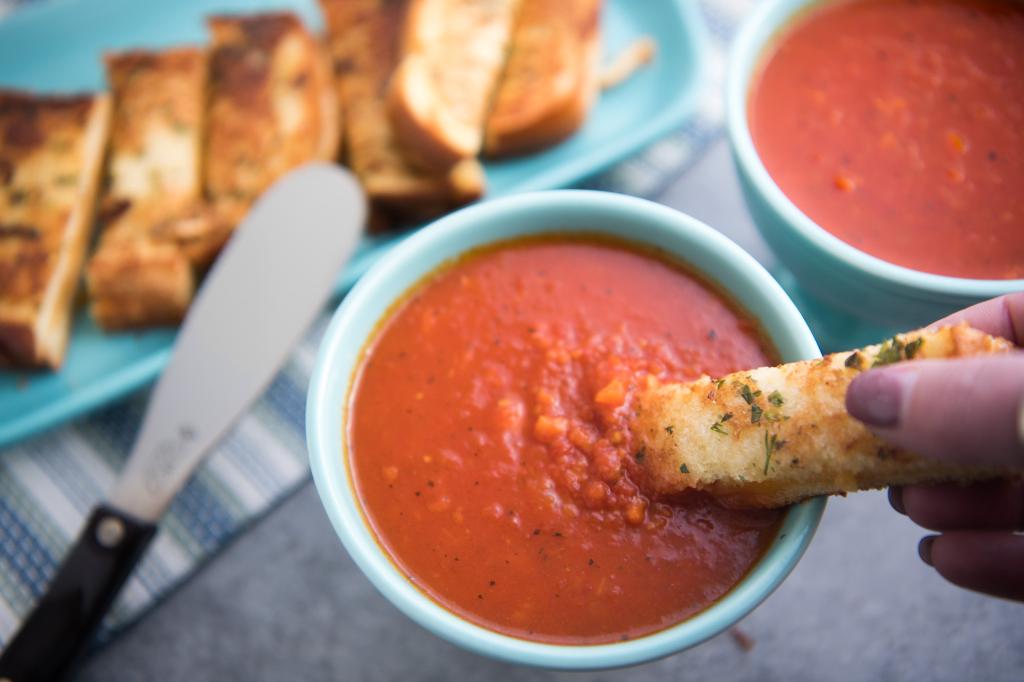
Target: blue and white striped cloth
49, 484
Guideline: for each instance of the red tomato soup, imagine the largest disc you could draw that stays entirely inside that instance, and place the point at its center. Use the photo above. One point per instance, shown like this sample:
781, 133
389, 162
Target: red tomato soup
489, 442
898, 126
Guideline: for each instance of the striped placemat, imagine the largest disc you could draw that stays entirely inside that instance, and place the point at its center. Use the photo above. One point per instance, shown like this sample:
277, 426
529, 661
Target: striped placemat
49, 484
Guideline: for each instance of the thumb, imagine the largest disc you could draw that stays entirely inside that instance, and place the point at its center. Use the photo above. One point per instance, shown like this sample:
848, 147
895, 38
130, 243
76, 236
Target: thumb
965, 410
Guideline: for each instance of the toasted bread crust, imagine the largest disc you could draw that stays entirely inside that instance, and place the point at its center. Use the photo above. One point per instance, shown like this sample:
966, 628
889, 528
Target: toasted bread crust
452, 56
551, 79
788, 436
51, 151
364, 38
271, 109
140, 275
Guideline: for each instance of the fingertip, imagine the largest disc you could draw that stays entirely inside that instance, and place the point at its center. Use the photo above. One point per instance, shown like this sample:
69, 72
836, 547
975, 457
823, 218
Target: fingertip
875, 398
896, 500
997, 504
961, 410
924, 548
991, 562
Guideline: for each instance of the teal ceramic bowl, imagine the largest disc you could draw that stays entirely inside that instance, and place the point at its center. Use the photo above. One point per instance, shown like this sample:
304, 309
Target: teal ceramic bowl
826, 267
684, 238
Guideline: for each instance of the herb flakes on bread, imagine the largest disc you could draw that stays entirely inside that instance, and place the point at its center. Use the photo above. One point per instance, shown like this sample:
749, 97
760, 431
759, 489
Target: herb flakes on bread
773, 436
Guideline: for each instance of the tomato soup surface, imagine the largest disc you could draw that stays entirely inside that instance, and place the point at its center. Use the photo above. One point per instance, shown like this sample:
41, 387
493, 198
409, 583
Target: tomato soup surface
898, 126
490, 448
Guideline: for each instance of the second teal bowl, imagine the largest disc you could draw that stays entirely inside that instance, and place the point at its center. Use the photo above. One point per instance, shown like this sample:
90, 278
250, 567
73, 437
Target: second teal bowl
705, 250
825, 266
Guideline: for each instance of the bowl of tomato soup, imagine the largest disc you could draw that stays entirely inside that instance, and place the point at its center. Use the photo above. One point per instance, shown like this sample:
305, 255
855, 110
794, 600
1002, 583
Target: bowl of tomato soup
468, 422
880, 148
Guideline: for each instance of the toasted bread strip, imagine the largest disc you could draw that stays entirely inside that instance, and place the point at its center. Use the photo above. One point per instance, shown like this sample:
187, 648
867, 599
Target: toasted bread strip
777, 435
138, 277
271, 109
51, 153
453, 53
363, 40
551, 79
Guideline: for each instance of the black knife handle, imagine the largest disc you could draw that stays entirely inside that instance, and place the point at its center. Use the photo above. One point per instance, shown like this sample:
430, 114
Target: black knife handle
57, 631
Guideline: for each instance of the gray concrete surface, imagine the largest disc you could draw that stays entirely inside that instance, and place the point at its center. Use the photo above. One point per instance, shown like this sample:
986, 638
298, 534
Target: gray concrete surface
286, 603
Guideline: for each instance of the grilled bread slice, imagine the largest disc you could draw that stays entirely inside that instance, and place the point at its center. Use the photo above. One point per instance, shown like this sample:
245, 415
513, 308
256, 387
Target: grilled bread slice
552, 77
272, 108
772, 436
51, 154
138, 276
364, 43
452, 55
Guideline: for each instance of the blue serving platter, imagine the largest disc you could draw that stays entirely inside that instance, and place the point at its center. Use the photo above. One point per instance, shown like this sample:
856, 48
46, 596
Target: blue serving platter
57, 46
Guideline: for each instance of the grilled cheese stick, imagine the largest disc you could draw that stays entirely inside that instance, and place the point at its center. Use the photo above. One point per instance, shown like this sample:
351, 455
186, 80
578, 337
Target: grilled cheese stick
271, 109
140, 276
551, 79
773, 436
51, 153
363, 39
453, 54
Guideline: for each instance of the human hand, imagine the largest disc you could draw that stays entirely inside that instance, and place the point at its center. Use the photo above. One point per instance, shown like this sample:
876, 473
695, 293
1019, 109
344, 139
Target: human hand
968, 410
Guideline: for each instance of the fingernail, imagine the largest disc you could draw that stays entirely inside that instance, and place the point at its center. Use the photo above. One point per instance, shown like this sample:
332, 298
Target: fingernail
924, 548
896, 500
875, 397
